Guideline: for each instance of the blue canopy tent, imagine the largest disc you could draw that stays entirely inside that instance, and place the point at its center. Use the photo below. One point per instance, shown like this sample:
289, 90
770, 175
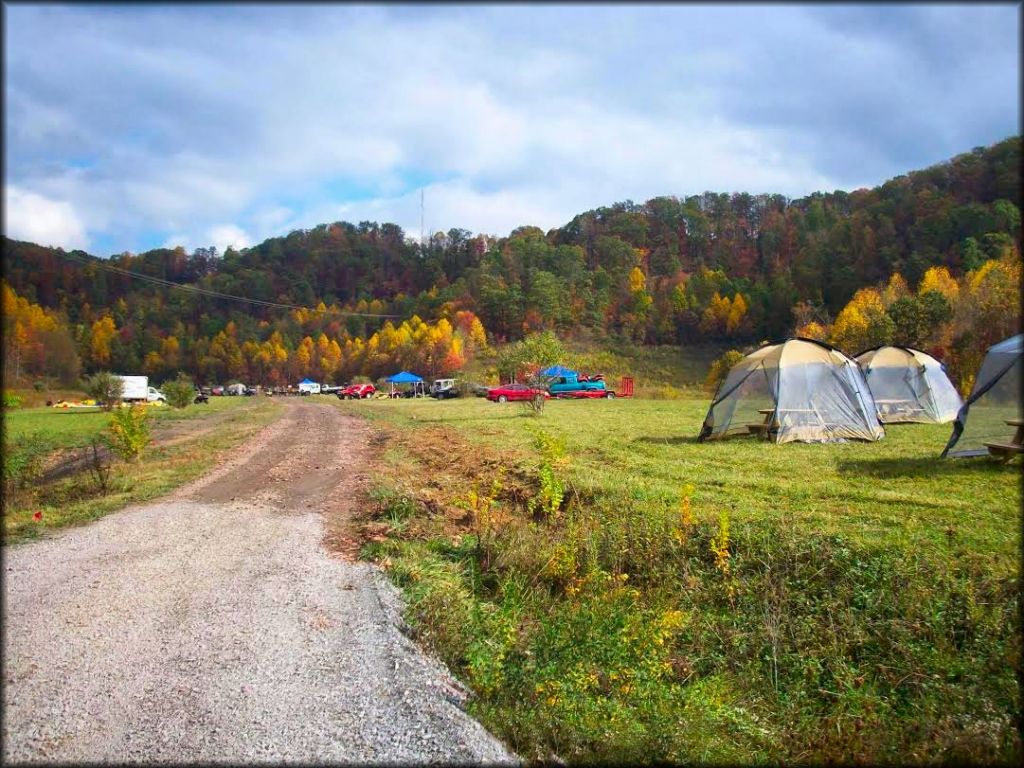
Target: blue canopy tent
558, 370
404, 377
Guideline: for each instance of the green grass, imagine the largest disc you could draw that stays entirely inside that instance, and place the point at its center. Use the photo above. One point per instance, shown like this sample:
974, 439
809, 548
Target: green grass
863, 605
32, 435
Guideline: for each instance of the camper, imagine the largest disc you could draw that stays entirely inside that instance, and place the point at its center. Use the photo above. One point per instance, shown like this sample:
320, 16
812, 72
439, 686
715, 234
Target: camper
236, 389
309, 387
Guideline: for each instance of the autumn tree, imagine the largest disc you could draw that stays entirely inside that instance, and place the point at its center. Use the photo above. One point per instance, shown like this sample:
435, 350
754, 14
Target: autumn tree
862, 323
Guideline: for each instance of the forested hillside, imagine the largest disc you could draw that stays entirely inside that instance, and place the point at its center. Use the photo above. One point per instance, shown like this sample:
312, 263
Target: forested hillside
931, 258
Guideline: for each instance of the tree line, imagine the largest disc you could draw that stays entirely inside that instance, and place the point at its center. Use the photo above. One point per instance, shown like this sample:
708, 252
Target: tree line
731, 268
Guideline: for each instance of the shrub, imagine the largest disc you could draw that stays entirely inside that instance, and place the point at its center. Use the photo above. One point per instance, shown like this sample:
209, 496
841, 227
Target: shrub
106, 388
39, 386
11, 401
179, 392
129, 431
22, 462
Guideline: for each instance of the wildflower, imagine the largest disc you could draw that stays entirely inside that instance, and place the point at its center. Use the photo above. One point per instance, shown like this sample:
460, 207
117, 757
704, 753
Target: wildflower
38, 516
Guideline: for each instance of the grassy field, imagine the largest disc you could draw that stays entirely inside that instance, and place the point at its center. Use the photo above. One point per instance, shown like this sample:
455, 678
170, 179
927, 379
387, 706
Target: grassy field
36, 437
613, 590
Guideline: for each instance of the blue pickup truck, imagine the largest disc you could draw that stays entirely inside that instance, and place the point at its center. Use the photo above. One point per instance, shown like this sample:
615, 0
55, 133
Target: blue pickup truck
571, 383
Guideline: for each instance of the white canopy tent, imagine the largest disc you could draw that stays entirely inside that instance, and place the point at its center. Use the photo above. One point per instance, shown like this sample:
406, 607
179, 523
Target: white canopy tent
909, 386
794, 390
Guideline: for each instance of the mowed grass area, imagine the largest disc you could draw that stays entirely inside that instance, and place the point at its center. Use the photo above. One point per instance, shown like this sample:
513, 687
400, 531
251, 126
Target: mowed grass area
613, 590
37, 437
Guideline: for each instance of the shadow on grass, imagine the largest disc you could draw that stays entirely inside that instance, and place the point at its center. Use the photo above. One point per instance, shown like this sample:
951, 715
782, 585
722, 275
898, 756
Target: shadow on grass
677, 440
927, 467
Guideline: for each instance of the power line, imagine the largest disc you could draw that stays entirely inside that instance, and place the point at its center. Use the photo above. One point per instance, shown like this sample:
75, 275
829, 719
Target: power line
209, 291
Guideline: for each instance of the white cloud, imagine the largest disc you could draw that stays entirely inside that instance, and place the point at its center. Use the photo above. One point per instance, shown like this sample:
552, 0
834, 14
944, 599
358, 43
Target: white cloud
176, 120
38, 219
227, 235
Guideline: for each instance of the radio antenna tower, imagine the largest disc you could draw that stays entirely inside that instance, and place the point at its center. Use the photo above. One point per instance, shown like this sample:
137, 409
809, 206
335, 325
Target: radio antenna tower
423, 243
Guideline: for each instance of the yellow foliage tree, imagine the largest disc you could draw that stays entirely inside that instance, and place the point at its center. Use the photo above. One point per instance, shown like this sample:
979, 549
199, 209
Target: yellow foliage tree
715, 317
737, 312
938, 279
862, 323
103, 331
895, 289
637, 280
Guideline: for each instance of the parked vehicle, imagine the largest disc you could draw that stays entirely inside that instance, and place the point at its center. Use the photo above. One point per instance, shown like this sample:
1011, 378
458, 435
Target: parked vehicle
444, 388
571, 383
200, 397
235, 389
625, 390
217, 391
357, 392
136, 389
309, 387
330, 389
509, 392
249, 391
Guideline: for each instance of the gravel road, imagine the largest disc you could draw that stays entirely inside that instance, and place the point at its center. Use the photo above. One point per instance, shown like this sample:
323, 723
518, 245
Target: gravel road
214, 626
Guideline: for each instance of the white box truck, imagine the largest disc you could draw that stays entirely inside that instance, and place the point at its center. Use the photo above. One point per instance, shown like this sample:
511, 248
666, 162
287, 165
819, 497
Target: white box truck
136, 389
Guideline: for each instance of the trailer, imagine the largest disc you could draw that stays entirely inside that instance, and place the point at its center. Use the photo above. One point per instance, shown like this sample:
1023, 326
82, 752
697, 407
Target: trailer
625, 390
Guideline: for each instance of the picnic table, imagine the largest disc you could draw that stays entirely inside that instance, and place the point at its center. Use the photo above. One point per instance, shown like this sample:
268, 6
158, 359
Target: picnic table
766, 427
1008, 450
893, 406
772, 420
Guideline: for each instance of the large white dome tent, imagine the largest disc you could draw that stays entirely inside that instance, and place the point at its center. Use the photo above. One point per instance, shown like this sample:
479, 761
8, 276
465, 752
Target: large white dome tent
994, 401
909, 385
796, 389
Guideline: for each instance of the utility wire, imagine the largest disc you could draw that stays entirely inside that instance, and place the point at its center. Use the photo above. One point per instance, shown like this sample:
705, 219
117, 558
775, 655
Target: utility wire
210, 292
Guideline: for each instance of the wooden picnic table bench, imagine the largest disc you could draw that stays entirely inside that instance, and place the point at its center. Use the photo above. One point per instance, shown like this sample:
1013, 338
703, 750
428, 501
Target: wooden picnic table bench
1008, 450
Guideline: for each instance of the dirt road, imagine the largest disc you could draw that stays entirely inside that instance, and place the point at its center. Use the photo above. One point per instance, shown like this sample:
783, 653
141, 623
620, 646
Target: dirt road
214, 626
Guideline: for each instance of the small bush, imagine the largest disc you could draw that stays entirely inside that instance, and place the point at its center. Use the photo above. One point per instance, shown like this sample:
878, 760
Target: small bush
179, 392
99, 466
106, 388
11, 401
22, 462
39, 386
129, 431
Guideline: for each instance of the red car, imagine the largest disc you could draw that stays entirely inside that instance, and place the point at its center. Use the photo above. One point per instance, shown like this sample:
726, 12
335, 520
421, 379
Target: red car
508, 392
356, 391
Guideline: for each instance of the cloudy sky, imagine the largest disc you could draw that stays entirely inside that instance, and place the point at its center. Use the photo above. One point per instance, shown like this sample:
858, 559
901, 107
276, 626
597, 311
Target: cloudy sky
128, 128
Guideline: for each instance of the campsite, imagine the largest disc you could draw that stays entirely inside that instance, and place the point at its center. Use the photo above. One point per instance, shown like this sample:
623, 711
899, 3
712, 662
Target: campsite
512, 384
827, 546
